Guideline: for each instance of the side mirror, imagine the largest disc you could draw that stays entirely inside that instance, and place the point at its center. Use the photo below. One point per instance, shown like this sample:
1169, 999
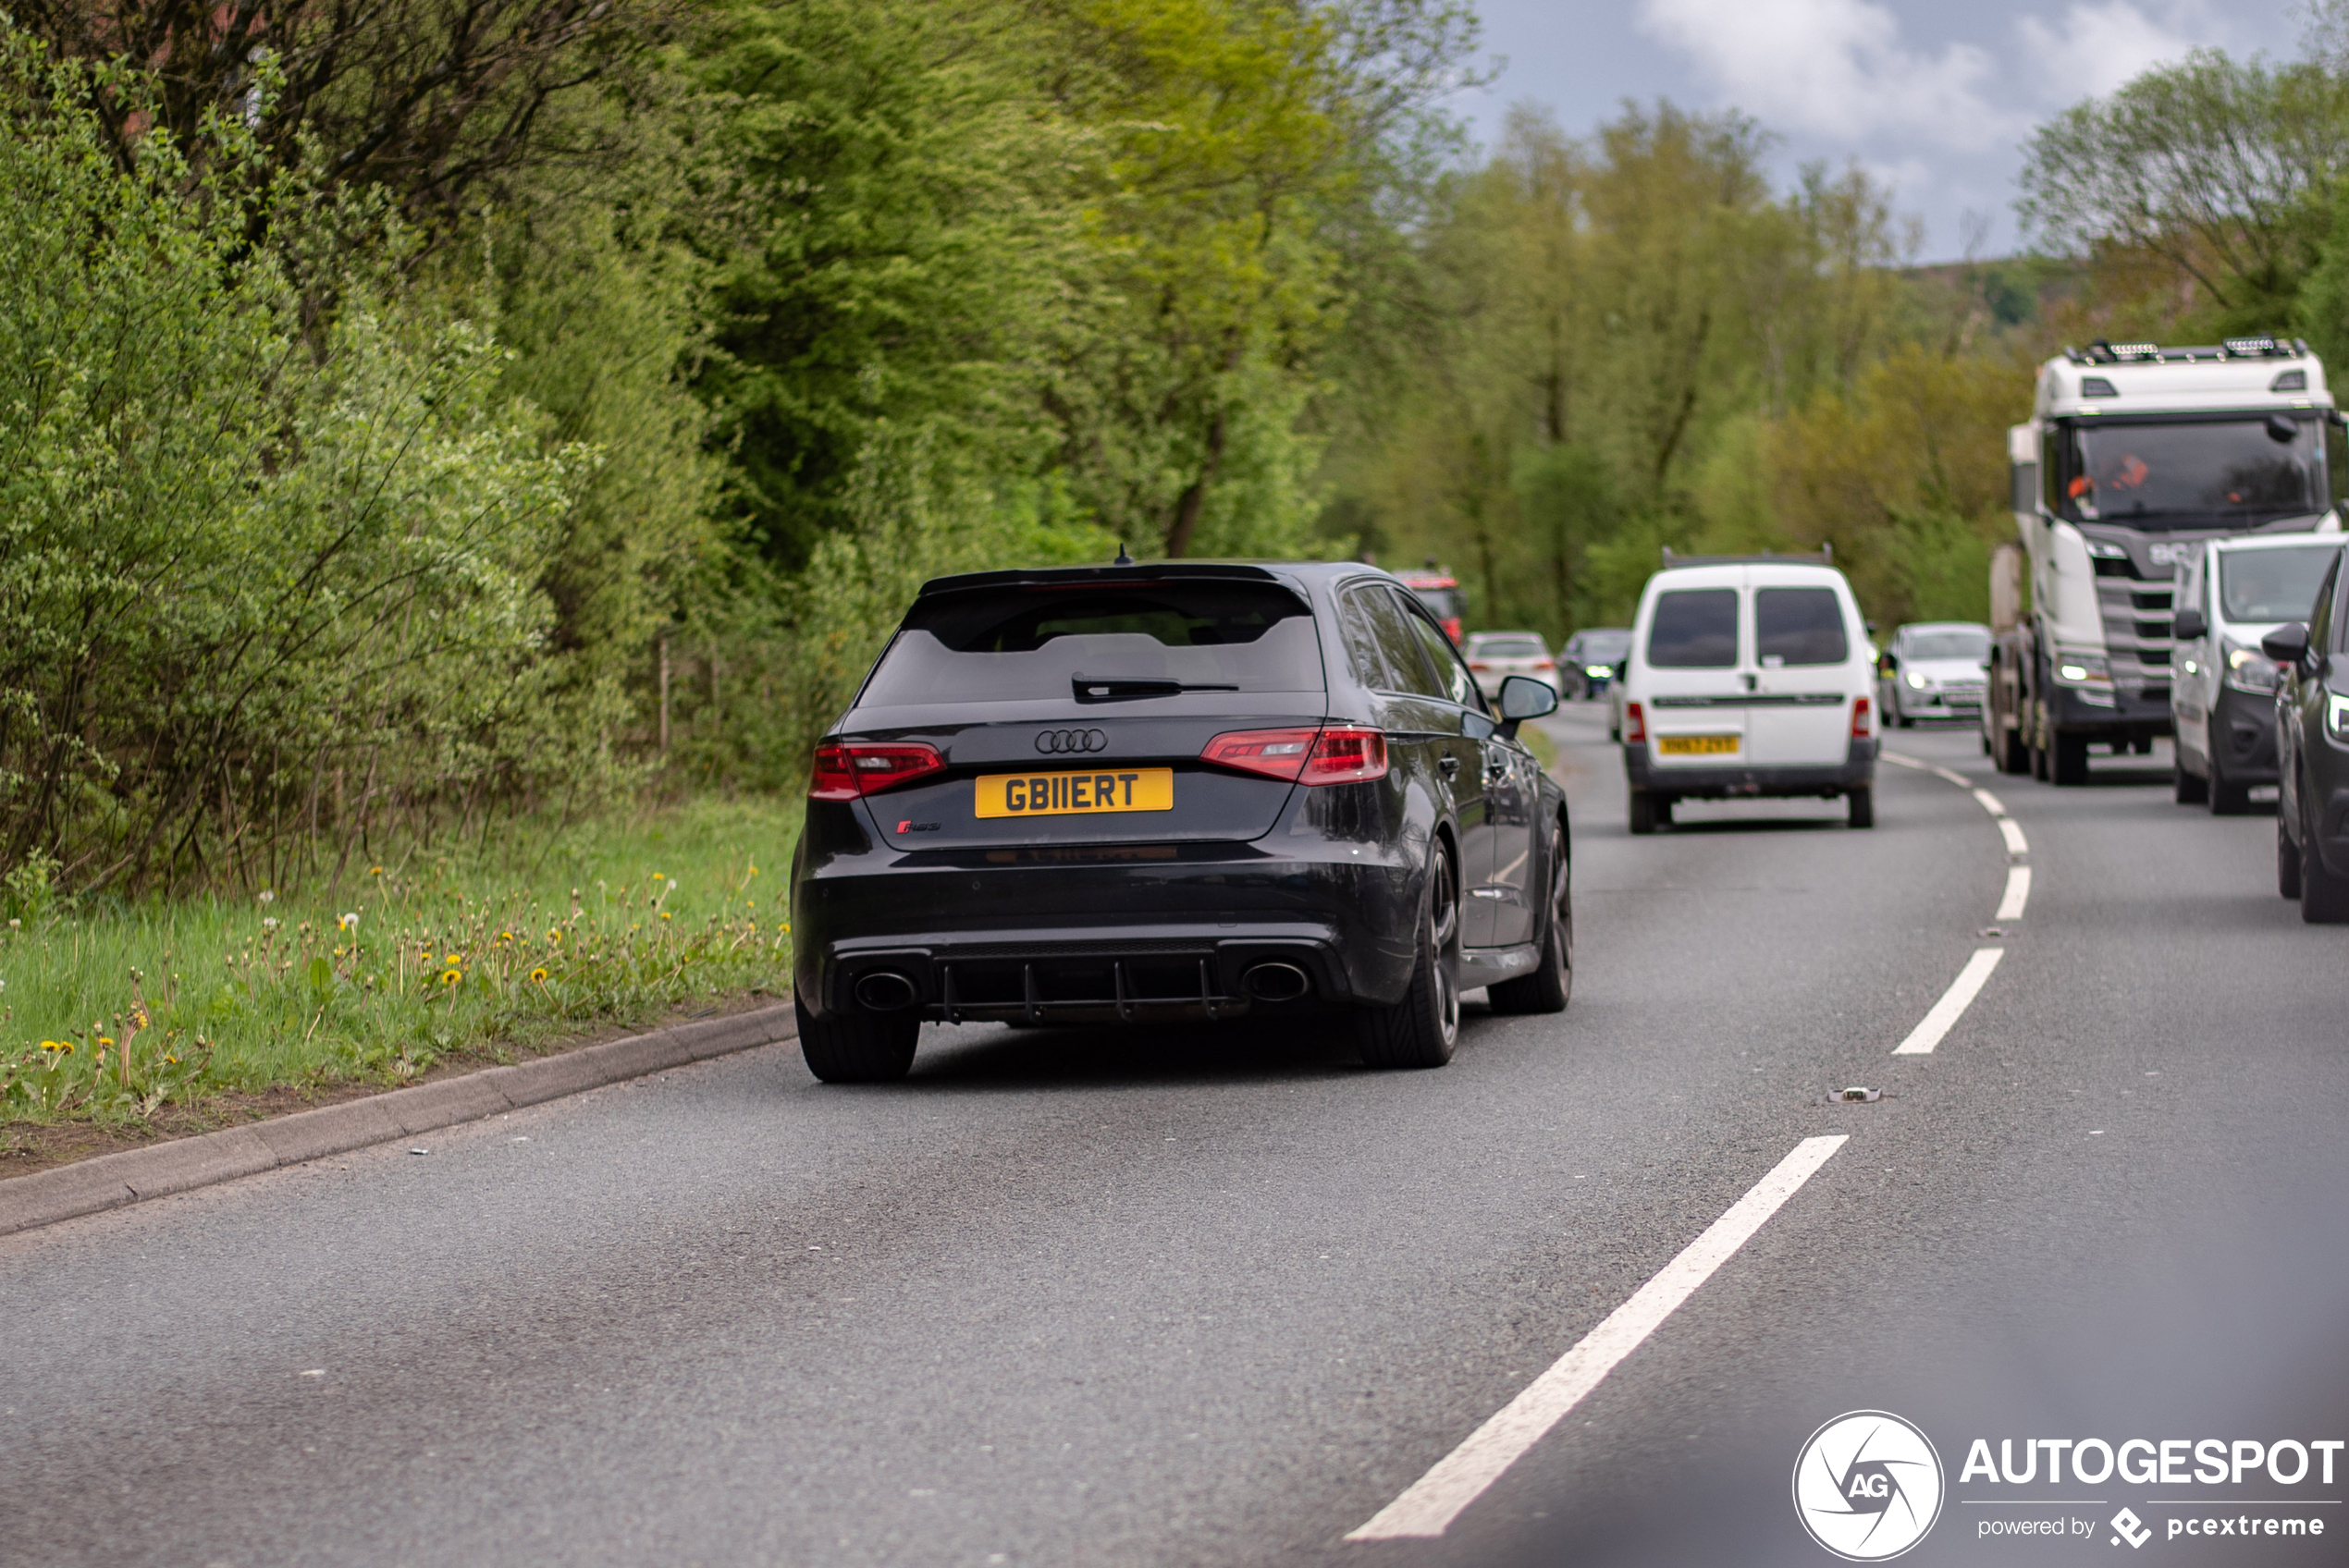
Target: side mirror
2189, 625
2286, 644
1522, 697
1622, 670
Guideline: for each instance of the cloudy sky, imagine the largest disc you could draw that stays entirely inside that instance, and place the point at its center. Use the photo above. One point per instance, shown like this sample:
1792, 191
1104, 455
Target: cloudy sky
1934, 98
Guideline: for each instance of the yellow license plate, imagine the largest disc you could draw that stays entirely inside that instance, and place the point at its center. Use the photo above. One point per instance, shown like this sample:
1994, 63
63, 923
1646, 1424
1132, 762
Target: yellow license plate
1076, 794
1696, 745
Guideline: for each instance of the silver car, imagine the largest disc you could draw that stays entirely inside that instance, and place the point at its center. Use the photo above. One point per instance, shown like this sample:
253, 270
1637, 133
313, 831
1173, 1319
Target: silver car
1493, 656
1934, 669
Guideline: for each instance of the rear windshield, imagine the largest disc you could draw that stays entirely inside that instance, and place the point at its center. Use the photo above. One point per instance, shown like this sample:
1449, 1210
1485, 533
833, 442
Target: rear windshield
2256, 585
1694, 629
1019, 644
1507, 648
1798, 626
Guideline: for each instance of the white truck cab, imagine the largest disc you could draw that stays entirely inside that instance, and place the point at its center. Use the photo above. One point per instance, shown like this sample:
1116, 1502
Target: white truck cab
1748, 676
2135, 454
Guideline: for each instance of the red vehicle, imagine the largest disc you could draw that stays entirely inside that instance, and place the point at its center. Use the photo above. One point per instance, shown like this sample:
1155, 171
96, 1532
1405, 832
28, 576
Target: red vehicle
1440, 591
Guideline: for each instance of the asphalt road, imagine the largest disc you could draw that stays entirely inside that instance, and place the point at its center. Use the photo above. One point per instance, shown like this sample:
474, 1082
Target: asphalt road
1217, 1296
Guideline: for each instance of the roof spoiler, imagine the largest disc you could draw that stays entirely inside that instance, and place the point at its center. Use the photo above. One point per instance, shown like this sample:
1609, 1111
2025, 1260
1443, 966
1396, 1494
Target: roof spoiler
1101, 576
1823, 556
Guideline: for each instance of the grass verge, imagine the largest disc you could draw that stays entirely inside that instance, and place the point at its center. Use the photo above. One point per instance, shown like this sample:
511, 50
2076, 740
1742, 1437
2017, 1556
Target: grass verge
116, 1016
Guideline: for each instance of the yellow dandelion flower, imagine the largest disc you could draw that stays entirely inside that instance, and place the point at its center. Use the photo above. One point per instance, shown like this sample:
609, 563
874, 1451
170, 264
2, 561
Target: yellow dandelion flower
451, 977
664, 914
753, 871
505, 936
375, 871
538, 976
454, 958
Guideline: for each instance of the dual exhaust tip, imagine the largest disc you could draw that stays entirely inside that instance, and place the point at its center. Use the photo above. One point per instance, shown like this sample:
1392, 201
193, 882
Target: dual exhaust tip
885, 990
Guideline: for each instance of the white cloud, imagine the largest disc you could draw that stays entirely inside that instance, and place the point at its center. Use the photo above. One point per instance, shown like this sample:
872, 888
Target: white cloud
1834, 68
2096, 48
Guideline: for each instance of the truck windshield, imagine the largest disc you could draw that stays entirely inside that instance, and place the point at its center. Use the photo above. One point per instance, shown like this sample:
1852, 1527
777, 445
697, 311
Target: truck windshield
2222, 473
2263, 585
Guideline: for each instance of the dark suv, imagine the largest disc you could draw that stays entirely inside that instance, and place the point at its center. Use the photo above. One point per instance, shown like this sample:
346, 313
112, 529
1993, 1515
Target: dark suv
1181, 790
2312, 754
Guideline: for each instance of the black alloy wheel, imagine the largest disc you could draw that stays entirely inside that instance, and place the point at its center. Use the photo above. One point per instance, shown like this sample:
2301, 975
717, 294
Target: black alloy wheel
858, 1047
1422, 1029
2324, 898
1551, 986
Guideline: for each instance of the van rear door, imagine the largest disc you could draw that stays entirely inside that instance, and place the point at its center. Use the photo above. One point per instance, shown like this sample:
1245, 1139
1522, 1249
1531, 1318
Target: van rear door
1799, 713
1695, 690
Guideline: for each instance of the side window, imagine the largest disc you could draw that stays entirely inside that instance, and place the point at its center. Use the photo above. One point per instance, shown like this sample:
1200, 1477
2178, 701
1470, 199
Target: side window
2320, 617
1459, 686
1390, 624
1694, 629
1359, 632
2026, 486
1798, 626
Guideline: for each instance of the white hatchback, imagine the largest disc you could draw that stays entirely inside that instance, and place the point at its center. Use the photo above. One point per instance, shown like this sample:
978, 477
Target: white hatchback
1748, 677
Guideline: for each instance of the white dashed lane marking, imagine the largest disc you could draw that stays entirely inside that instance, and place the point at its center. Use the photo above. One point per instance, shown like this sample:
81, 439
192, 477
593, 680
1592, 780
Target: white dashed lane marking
1953, 1003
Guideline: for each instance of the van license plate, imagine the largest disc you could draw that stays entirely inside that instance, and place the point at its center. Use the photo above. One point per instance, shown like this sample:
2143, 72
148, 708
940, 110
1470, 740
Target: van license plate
1696, 745
1076, 794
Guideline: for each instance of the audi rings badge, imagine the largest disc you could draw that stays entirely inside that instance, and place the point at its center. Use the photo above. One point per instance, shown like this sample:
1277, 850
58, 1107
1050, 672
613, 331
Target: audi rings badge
1068, 743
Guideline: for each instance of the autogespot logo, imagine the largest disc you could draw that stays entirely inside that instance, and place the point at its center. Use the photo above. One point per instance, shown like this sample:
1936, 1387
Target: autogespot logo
1867, 1485
1053, 743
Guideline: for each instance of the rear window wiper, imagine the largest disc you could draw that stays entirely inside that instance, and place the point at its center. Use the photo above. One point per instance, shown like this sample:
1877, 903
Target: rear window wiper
1126, 687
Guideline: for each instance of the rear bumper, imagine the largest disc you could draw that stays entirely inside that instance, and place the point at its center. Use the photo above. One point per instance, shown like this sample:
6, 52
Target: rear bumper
1149, 933
1909, 703
1856, 771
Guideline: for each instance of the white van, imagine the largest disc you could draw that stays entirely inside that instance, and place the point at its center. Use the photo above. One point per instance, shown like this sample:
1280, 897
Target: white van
1748, 676
2222, 689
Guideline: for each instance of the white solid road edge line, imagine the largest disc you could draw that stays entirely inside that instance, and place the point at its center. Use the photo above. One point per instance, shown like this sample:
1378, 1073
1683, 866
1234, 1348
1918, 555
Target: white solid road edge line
2018, 893
1954, 1001
1461, 1477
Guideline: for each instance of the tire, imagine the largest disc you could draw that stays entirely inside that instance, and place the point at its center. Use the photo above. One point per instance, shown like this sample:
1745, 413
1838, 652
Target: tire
2187, 789
2070, 764
1860, 806
2010, 752
1551, 986
1422, 1029
1643, 814
859, 1047
2287, 863
2226, 798
2039, 769
2324, 898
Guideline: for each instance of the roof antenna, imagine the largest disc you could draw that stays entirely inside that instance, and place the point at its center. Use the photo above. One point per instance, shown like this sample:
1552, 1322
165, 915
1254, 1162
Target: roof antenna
1123, 558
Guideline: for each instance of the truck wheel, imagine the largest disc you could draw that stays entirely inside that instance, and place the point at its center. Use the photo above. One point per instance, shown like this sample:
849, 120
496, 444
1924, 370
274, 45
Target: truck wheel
1551, 986
2069, 765
2324, 898
1860, 804
2287, 863
2226, 798
2186, 789
2009, 751
857, 1048
1422, 1029
2038, 760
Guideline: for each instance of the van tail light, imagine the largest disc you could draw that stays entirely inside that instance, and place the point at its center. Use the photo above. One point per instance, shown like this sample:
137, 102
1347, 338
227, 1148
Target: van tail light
842, 772
1635, 726
1479, 664
1859, 719
1544, 664
1334, 753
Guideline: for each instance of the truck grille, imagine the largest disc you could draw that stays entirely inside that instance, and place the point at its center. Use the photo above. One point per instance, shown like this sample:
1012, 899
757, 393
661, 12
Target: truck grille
2136, 615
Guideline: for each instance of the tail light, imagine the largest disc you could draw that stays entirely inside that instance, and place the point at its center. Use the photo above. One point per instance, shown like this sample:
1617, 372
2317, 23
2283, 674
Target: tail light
1859, 719
1544, 664
1334, 753
1635, 726
845, 771
1479, 664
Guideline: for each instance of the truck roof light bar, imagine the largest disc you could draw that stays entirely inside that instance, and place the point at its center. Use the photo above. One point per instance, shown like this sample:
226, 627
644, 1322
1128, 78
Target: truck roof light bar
2264, 346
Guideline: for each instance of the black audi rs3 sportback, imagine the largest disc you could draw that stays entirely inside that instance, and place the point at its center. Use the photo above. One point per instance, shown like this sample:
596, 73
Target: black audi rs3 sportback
1190, 790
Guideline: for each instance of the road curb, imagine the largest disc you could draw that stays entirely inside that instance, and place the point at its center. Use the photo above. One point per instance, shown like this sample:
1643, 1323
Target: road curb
112, 1181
